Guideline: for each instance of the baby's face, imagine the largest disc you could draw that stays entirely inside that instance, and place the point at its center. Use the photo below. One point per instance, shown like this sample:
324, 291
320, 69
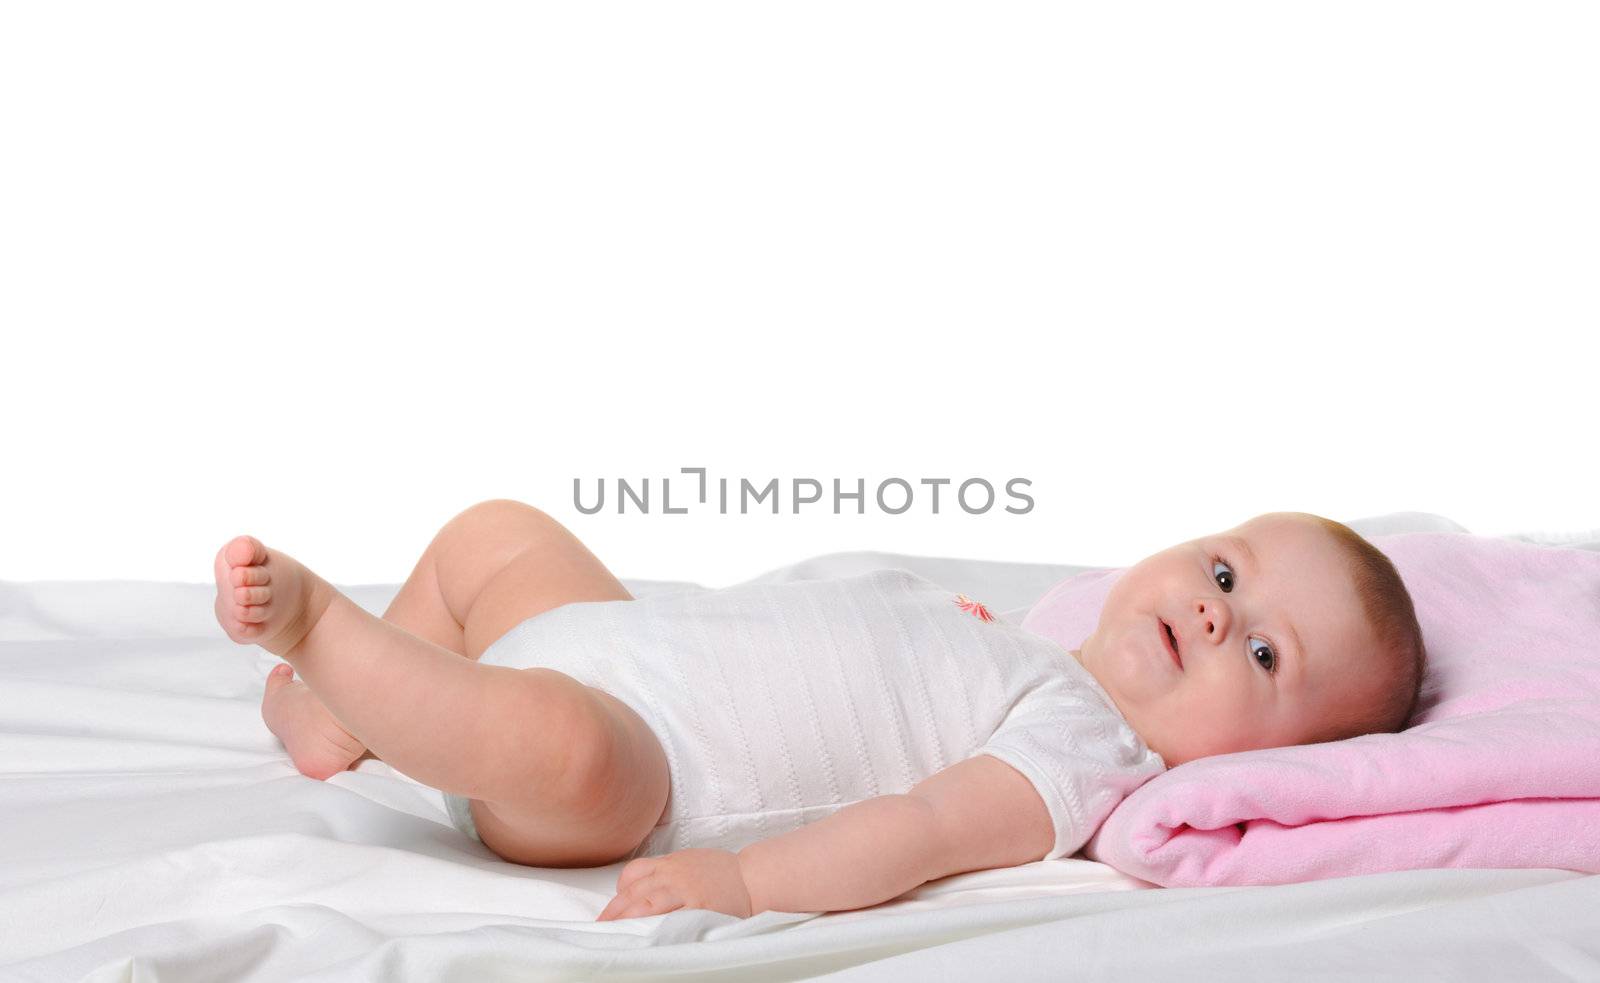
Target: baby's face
1269, 631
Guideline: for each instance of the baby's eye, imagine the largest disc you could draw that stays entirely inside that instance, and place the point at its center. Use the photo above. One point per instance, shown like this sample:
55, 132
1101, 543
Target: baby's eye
1272, 657
1224, 580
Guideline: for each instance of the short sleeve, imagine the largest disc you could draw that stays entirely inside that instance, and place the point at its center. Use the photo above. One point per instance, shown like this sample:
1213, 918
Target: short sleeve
1080, 754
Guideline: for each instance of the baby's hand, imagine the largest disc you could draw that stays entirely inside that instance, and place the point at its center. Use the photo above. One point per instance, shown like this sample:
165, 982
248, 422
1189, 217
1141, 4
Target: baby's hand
697, 878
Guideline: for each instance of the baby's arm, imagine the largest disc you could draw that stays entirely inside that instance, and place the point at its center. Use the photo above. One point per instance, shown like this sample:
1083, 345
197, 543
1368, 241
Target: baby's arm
974, 815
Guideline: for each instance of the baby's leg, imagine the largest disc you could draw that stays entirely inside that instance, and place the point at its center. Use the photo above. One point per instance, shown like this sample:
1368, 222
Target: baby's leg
317, 742
486, 732
440, 602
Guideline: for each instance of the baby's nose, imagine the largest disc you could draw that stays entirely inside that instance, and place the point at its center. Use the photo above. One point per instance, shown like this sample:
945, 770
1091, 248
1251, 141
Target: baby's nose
1214, 618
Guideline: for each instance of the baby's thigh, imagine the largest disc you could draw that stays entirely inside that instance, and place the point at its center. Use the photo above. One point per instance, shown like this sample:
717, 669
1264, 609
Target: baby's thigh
547, 567
604, 814
634, 791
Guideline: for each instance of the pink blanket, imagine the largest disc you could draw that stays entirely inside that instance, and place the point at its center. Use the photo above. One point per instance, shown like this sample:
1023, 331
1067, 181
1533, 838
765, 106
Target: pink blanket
1499, 767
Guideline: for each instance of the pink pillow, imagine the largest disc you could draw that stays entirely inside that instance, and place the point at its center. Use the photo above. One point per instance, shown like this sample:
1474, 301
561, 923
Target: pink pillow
1068, 612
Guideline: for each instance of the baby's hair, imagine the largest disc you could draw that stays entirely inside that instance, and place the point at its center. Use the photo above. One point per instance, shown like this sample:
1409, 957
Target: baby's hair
1402, 657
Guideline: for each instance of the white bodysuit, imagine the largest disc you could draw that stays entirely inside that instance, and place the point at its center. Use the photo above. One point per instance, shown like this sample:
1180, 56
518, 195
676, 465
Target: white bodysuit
778, 704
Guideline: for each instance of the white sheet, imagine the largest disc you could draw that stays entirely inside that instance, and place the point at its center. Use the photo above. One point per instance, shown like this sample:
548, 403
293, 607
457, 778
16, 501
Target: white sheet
151, 828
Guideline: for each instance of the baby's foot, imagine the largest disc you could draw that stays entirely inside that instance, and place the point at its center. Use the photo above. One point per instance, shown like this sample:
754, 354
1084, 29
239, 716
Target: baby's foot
317, 744
268, 598
265, 597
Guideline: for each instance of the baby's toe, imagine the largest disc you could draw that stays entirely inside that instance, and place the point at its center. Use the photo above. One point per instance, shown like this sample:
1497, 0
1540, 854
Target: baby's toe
252, 615
245, 551
252, 595
249, 576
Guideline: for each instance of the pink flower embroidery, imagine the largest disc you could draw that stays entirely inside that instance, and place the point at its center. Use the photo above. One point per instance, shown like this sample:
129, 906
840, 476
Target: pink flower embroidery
973, 607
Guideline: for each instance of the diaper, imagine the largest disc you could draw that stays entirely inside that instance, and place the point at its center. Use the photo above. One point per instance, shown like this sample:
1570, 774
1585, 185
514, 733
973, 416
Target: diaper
459, 808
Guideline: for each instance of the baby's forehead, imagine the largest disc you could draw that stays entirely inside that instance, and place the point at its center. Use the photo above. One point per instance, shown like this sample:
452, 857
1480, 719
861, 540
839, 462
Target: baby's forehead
1298, 526
1286, 538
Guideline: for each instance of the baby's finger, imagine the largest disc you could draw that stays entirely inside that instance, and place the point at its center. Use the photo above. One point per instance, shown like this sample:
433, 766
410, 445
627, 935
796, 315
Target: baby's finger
628, 897
654, 903
633, 870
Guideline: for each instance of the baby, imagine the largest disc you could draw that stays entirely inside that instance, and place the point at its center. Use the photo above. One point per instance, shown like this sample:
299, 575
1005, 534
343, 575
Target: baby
912, 735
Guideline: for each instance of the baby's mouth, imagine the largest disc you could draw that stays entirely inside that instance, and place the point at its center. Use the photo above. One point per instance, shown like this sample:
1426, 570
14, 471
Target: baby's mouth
1170, 640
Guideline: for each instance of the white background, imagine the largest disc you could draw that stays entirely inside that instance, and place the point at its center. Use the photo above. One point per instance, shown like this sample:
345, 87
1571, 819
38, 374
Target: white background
329, 273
